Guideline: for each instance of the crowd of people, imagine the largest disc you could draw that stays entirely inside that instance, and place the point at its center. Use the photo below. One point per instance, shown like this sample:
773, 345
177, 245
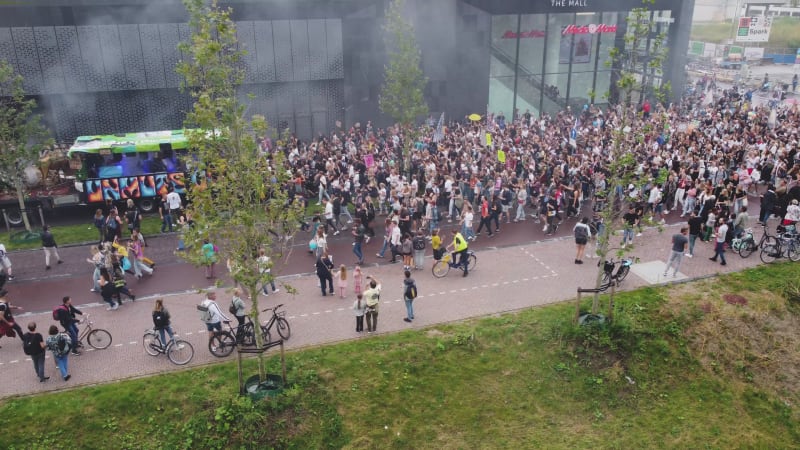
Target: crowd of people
708, 163
701, 161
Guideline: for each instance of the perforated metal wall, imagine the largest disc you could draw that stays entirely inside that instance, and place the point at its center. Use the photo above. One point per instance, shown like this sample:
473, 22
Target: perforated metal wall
111, 78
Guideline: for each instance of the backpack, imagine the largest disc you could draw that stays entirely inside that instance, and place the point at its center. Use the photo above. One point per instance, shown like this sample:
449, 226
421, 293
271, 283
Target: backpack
57, 312
63, 344
419, 243
160, 319
28, 345
411, 291
205, 314
580, 233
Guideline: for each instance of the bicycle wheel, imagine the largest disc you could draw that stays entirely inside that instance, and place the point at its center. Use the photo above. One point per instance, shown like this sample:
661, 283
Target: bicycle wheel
473, 261
266, 335
151, 343
440, 269
180, 352
769, 253
623, 272
99, 338
246, 335
793, 252
221, 344
282, 326
769, 240
747, 248
605, 282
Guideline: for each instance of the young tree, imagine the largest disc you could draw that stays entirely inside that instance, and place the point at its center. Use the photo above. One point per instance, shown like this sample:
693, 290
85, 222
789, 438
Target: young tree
633, 72
243, 206
402, 95
22, 134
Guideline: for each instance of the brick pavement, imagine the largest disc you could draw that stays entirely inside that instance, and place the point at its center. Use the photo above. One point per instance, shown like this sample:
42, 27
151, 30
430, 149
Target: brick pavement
505, 279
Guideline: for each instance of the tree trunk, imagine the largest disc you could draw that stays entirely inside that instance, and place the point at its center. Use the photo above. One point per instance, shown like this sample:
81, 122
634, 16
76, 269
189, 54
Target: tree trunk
254, 316
20, 187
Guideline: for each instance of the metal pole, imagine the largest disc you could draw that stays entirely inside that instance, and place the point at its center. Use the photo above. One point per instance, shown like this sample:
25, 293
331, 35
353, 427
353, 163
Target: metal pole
516, 70
283, 363
5, 216
41, 215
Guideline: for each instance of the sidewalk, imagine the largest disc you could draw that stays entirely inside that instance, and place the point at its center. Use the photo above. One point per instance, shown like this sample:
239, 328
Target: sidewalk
505, 279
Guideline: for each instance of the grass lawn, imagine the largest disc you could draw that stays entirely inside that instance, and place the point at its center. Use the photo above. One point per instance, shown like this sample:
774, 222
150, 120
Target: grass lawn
680, 367
785, 33
73, 234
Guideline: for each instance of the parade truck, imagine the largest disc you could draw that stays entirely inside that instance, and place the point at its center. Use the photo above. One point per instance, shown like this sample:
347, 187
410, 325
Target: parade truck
103, 169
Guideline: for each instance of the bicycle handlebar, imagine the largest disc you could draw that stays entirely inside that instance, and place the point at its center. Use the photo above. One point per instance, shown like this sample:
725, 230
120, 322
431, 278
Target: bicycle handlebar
272, 309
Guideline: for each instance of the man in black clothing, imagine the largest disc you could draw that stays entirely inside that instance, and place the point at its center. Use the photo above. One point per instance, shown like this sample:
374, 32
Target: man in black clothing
50, 247
66, 317
695, 228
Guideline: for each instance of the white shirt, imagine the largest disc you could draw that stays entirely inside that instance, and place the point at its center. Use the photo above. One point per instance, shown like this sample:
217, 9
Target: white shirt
174, 200
329, 210
216, 314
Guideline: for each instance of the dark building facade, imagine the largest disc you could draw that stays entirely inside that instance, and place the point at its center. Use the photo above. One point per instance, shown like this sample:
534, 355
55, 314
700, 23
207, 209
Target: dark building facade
106, 66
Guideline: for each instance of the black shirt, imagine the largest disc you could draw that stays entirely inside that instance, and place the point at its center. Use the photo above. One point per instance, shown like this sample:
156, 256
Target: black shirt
36, 340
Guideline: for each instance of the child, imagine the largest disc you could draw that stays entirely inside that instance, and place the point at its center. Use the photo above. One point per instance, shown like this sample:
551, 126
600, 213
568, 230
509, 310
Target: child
436, 243
341, 275
359, 306
357, 281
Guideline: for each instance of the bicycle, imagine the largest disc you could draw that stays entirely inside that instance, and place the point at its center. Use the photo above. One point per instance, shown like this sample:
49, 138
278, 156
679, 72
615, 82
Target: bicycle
98, 338
178, 351
748, 246
744, 245
223, 342
617, 277
786, 245
442, 267
281, 324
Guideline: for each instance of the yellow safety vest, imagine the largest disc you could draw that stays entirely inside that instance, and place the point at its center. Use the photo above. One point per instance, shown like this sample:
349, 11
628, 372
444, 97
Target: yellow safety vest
459, 243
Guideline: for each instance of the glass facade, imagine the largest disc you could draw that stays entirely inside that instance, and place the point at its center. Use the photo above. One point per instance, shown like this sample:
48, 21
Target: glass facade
543, 63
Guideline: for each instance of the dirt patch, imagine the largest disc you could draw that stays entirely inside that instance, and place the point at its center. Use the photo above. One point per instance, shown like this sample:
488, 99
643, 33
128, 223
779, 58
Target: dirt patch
755, 339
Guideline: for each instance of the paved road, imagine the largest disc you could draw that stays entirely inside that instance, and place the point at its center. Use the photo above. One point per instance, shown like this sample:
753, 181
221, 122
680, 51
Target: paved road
516, 269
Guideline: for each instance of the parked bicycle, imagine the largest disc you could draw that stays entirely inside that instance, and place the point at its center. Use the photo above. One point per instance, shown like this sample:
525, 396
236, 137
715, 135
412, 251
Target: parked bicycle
612, 276
178, 351
442, 267
223, 342
98, 338
749, 245
787, 245
246, 333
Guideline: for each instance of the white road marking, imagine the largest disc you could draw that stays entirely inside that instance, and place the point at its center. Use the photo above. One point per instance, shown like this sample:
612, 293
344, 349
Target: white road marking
14, 361
133, 342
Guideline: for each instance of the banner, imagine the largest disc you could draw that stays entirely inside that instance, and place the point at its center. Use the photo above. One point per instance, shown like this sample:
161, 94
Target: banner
753, 52
696, 48
753, 29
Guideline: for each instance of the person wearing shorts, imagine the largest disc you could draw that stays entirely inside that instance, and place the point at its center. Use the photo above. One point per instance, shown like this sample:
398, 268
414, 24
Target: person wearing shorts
582, 234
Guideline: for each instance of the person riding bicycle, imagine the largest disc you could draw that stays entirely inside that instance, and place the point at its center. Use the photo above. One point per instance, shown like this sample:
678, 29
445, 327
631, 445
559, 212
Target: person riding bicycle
161, 322
460, 247
215, 317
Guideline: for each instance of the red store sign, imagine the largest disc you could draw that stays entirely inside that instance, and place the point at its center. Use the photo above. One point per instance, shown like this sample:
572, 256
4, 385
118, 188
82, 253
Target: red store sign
589, 29
523, 34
